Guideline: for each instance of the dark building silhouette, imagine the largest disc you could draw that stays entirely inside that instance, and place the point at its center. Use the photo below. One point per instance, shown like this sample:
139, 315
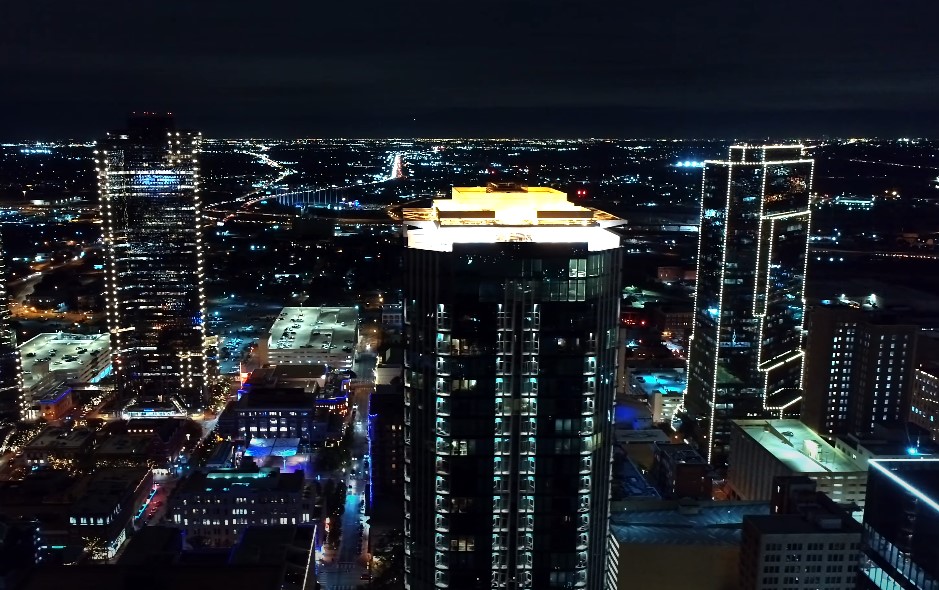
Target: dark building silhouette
386, 453
901, 525
859, 369
148, 179
679, 471
745, 355
511, 315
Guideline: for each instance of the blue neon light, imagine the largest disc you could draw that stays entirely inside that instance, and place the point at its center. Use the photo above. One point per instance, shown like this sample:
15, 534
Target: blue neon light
157, 180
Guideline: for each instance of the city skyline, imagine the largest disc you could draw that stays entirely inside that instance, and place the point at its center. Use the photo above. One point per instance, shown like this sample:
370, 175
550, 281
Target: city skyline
471, 392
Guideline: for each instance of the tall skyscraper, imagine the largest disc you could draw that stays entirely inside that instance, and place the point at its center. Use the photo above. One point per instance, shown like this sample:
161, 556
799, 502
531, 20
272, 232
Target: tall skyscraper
901, 525
148, 178
859, 368
10, 375
745, 355
511, 315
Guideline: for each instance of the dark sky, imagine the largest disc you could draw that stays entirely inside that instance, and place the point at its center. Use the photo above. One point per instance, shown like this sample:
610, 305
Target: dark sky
611, 68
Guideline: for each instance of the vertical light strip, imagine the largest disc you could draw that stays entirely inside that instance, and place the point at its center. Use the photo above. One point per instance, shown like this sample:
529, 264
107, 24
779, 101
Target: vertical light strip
762, 317
805, 272
697, 289
720, 308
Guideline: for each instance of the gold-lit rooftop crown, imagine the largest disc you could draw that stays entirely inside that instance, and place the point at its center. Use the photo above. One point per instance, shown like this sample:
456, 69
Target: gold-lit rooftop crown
507, 213
507, 204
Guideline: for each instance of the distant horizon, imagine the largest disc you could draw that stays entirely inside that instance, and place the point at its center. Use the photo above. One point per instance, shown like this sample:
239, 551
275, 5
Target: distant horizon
752, 140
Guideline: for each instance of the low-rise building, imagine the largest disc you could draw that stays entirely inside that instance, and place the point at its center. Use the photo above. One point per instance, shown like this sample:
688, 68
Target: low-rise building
53, 361
314, 335
55, 443
269, 557
679, 471
58, 405
156, 442
217, 506
807, 543
273, 413
392, 315
663, 388
72, 512
689, 544
107, 502
762, 450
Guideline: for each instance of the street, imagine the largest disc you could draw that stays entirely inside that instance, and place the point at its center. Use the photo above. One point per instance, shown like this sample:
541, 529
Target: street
347, 567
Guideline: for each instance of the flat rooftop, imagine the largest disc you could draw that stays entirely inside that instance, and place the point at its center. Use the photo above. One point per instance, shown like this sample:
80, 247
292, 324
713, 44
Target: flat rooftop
104, 489
672, 522
309, 376
324, 329
793, 443
279, 398
128, 446
265, 447
63, 352
60, 439
517, 214
275, 545
234, 481
796, 524
668, 382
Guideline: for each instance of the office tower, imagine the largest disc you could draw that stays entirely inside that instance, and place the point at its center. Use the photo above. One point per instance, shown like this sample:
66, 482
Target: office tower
925, 410
511, 316
745, 356
807, 542
859, 368
11, 398
148, 178
901, 525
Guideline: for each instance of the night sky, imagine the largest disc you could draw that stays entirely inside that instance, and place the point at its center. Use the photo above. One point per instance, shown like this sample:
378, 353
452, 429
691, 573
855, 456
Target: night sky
364, 68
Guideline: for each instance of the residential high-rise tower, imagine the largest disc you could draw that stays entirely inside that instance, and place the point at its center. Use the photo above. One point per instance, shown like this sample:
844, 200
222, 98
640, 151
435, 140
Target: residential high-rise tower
148, 178
745, 355
511, 315
859, 369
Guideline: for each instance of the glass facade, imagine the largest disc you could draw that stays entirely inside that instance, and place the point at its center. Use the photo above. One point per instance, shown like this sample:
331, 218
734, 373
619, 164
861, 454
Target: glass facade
10, 376
148, 177
509, 389
745, 356
901, 525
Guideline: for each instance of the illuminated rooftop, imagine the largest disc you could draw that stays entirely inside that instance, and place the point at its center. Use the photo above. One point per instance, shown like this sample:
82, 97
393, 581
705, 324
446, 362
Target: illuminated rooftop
68, 356
507, 213
798, 447
319, 328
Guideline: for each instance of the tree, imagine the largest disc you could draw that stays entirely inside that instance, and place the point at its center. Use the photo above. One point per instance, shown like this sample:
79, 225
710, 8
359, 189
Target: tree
95, 548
